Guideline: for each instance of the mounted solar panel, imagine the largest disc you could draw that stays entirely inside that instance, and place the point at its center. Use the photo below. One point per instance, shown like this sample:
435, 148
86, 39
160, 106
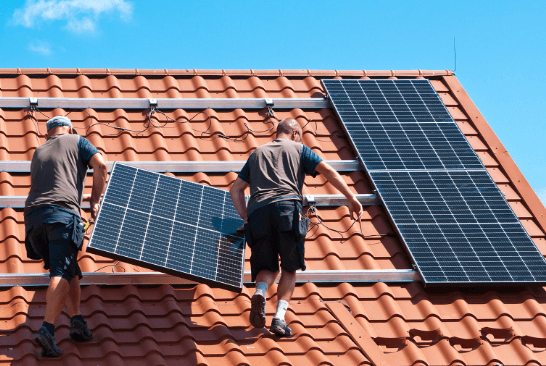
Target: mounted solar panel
455, 222
458, 227
400, 124
170, 225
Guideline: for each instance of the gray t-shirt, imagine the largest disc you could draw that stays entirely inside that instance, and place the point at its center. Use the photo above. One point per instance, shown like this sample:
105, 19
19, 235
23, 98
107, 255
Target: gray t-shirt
276, 171
58, 171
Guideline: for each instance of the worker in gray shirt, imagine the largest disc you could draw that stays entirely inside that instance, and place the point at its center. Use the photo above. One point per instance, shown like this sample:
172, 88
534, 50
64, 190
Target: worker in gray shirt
275, 173
54, 231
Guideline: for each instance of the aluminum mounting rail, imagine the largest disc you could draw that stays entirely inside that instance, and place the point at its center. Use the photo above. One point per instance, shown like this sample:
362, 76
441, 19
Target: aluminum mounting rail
319, 200
166, 103
157, 278
182, 166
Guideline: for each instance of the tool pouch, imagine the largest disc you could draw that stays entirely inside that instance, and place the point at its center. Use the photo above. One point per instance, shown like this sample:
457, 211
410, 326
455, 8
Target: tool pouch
248, 237
301, 222
78, 232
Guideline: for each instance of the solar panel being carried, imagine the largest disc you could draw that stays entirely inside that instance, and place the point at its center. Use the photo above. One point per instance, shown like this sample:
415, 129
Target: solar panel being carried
170, 225
455, 222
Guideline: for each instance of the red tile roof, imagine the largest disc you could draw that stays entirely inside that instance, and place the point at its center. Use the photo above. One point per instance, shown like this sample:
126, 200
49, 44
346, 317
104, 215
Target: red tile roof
333, 324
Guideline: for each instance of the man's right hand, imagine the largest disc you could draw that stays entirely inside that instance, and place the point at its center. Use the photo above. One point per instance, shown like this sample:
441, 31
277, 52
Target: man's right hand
355, 207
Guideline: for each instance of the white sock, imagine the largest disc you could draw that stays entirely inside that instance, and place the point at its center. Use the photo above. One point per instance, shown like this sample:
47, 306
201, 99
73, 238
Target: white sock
261, 288
282, 306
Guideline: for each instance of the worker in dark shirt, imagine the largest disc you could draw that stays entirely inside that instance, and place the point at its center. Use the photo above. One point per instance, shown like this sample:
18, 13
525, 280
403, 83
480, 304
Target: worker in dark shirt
54, 230
275, 173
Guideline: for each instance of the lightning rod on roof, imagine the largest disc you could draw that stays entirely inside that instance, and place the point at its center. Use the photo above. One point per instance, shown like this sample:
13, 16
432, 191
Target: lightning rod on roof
455, 54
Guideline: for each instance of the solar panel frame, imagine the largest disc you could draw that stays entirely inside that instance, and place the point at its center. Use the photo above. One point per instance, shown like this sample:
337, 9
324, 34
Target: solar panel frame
433, 115
371, 114
483, 248
183, 215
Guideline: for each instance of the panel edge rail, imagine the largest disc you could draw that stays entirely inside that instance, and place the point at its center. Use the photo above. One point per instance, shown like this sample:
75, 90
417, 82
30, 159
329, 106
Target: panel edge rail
164, 103
182, 166
319, 200
157, 278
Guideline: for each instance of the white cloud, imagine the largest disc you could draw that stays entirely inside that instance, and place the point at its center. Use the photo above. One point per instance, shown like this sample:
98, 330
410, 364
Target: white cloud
40, 47
80, 15
84, 25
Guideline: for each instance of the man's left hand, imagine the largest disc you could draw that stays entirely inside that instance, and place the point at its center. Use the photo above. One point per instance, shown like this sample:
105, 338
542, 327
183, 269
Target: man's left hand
94, 209
242, 228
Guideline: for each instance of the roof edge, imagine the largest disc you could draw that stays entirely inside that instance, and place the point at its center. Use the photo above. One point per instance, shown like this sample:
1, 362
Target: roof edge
220, 73
499, 151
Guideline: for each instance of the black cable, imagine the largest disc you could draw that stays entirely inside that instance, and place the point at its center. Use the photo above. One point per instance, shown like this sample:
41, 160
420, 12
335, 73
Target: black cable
312, 209
270, 113
34, 108
113, 266
148, 123
167, 118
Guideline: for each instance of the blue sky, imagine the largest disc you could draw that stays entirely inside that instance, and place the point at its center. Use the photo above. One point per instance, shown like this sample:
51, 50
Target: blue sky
500, 46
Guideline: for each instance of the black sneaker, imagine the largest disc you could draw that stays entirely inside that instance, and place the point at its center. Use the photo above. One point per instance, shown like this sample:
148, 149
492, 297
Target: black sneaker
257, 311
279, 328
80, 331
45, 340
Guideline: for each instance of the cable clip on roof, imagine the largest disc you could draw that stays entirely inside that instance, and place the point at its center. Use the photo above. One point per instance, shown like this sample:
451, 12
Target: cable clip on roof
153, 103
33, 101
269, 102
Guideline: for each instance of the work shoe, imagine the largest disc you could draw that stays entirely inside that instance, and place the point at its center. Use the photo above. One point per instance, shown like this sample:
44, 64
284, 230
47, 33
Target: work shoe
80, 331
45, 340
278, 327
257, 311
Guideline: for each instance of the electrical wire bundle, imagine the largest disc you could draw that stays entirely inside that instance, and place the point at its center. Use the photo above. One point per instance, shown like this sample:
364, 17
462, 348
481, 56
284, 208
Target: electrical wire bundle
150, 123
239, 138
315, 225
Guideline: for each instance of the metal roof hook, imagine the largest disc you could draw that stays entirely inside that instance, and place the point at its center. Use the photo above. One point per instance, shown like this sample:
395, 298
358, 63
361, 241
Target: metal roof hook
33, 102
153, 103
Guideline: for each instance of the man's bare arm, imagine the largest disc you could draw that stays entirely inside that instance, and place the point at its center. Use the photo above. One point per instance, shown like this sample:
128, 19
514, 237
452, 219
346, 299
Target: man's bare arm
99, 180
335, 179
237, 193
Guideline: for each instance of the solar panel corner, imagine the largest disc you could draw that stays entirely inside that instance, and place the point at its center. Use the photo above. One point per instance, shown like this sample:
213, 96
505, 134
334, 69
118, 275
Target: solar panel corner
170, 225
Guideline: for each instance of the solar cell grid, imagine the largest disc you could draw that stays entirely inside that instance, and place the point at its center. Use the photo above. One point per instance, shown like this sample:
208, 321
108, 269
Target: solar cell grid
172, 225
400, 124
458, 224
454, 220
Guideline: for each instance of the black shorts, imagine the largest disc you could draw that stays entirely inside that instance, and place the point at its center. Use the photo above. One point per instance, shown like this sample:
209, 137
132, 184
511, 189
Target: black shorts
52, 242
273, 234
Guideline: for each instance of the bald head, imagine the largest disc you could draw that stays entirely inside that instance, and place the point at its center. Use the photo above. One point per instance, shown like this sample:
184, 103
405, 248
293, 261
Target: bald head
290, 129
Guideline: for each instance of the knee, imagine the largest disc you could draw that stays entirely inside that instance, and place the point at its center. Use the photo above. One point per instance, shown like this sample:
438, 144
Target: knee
289, 274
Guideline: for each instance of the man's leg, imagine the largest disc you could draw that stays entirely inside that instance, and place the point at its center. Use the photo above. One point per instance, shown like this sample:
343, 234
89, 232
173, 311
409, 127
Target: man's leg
73, 299
79, 330
266, 277
55, 298
292, 255
286, 285
284, 294
264, 280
